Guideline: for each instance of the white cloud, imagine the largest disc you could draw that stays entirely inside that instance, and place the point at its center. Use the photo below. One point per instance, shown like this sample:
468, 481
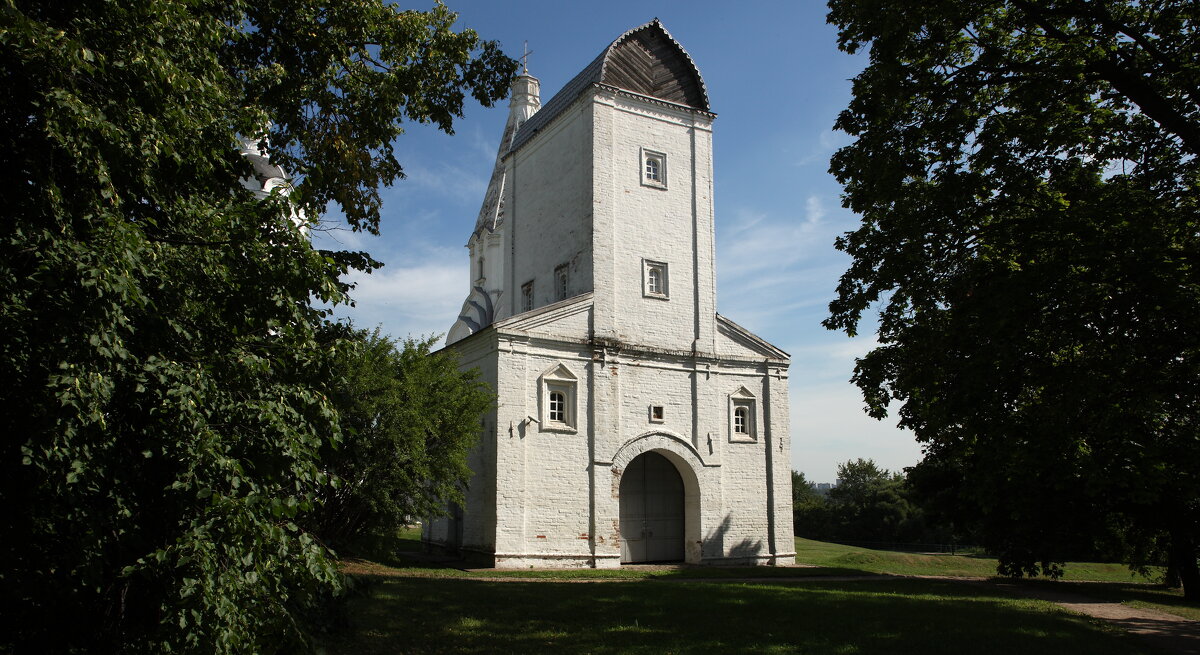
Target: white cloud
459, 183
421, 298
829, 427
814, 211
826, 143
745, 220
761, 242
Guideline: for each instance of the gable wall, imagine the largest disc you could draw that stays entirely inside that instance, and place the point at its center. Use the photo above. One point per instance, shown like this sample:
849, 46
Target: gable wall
549, 205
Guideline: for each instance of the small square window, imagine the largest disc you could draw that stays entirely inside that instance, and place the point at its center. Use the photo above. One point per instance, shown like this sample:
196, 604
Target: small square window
657, 415
654, 279
527, 296
560, 283
653, 169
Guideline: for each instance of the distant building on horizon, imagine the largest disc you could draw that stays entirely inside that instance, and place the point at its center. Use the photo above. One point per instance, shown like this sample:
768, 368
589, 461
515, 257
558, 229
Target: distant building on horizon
633, 423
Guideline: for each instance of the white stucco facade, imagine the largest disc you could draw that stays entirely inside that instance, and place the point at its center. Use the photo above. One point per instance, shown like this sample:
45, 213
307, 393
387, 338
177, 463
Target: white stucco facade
593, 316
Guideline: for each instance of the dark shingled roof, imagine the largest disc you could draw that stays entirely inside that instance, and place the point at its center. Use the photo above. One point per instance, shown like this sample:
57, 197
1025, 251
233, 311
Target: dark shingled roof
646, 60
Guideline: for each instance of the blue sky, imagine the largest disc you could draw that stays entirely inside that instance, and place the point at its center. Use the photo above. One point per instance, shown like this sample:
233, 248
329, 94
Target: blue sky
776, 80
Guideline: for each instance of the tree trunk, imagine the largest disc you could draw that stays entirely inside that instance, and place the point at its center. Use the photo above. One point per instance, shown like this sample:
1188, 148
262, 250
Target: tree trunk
1183, 560
1171, 577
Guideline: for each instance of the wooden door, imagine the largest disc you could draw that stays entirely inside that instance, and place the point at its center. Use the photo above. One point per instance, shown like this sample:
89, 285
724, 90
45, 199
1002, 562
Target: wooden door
651, 511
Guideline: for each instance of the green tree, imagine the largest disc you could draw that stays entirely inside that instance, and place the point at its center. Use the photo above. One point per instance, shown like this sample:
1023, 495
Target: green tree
1026, 174
166, 394
811, 516
408, 418
803, 491
870, 504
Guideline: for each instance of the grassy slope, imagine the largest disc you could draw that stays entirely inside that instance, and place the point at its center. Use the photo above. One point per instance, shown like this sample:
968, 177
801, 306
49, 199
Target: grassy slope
1105, 581
820, 553
420, 615
827, 558
673, 610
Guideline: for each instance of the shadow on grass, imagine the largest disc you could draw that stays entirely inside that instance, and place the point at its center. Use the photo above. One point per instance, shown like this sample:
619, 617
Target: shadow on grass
415, 615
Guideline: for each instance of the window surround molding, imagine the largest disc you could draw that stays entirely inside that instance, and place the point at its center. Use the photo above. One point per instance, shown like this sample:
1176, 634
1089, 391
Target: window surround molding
652, 160
559, 379
743, 402
562, 282
650, 270
527, 296
657, 414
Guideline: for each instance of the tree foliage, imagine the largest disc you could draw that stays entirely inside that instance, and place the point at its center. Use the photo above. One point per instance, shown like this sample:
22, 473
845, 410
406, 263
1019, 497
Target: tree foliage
803, 491
1026, 174
166, 392
868, 505
408, 418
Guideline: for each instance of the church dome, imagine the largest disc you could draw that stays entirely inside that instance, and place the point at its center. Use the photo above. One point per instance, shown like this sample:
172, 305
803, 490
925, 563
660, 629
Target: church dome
646, 60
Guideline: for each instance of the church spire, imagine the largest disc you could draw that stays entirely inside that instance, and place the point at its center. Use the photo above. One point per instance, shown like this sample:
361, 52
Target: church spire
524, 101
486, 253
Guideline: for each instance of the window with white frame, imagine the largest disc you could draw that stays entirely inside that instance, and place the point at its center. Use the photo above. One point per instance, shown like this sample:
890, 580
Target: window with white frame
558, 399
743, 416
560, 283
654, 279
741, 420
654, 169
558, 406
527, 296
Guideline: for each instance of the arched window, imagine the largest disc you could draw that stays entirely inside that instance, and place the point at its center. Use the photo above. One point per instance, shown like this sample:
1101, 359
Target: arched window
558, 406
558, 400
653, 167
654, 279
741, 420
527, 296
560, 283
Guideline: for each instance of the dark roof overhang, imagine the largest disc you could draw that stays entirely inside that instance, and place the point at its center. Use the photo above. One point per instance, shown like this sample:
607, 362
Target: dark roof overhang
645, 61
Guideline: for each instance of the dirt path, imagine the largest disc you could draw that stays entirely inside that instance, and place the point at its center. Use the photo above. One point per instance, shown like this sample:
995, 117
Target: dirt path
1168, 632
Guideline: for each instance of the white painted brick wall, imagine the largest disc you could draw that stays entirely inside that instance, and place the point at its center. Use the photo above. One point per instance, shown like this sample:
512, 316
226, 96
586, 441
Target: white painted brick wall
549, 210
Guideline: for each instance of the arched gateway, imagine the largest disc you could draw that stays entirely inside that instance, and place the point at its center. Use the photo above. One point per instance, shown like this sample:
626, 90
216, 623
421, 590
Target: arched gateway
652, 511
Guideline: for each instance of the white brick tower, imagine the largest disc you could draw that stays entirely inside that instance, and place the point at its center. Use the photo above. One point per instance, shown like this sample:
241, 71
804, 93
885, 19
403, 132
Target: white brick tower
633, 422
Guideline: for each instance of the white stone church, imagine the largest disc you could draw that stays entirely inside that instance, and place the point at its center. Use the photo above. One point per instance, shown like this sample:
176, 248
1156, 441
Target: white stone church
633, 422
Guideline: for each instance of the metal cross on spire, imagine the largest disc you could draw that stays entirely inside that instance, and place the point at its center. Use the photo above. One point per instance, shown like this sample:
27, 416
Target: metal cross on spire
525, 59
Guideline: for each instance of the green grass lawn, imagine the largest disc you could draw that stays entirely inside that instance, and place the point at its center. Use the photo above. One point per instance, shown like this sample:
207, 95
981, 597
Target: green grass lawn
423, 615
421, 608
820, 553
819, 559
